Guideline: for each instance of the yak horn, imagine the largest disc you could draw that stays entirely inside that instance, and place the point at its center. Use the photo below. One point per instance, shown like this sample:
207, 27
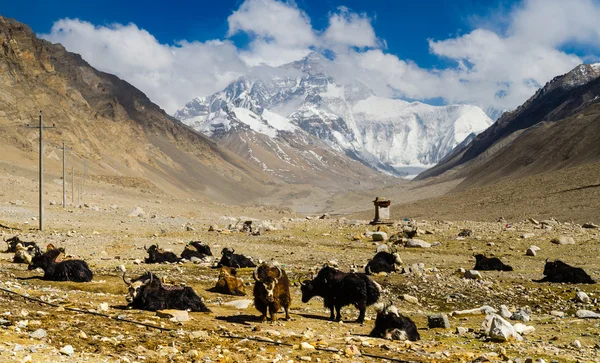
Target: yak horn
126, 280
368, 270
547, 259
279, 272
254, 275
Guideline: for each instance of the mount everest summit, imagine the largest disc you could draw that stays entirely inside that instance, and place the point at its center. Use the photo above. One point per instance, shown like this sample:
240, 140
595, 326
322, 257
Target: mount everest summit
300, 117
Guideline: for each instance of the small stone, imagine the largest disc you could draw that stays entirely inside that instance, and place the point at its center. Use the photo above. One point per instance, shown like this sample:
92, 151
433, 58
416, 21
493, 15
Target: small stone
582, 297
473, 274
103, 307
523, 329
379, 236
563, 240
521, 315
438, 321
239, 304
527, 235
305, 358
67, 350
199, 334
534, 221
587, 314
306, 346
557, 313
531, 251
576, 344
504, 312
417, 243
82, 335
190, 228
136, 212
38, 334
352, 351
175, 315
410, 299
461, 330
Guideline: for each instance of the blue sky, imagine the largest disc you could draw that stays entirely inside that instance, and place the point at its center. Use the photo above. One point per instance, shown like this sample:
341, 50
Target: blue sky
490, 53
405, 25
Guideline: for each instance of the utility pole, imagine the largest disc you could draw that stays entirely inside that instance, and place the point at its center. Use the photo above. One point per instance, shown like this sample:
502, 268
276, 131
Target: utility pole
64, 175
41, 127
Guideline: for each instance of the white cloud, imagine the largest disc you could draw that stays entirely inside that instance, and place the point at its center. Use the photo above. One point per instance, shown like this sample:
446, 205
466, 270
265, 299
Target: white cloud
492, 68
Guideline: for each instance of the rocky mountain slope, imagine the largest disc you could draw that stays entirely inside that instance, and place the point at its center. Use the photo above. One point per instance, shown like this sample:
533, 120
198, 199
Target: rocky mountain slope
302, 106
110, 124
556, 128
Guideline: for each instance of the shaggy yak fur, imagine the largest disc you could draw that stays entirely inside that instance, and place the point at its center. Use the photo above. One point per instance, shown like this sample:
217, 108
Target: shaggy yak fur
158, 255
147, 292
339, 289
558, 271
68, 270
14, 241
271, 291
228, 283
483, 263
390, 324
383, 262
230, 259
196, 249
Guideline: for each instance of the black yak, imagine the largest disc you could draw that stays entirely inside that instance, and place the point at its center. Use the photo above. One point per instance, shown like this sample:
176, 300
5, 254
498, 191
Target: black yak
68, 270
196, 249
230, 259
25, 255
271, 291
558, 271
483, 263
339, 289
147, 292
390, 324
383, 262
228, 282
158, 255
14, 241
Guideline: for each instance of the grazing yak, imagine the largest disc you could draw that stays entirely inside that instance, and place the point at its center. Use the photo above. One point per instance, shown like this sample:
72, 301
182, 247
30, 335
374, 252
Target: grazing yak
158, 255
390, 324
383, 262
56, 270
196, 249
228, 283
483, 263
558, 271
147, 292
271, 291
230, 259
14, 241
339, 289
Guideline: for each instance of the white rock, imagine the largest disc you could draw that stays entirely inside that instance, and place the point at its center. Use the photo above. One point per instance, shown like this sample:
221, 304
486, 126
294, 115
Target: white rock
472, 274
523, 329
38, 334
563, 240
67, 350
586, 314
504, 312
499, 329
306, 346
136, 212
527, 235
175, 315
103, 307
410, 299
239, 304
413, 242
485, 309
576, 344
582, 297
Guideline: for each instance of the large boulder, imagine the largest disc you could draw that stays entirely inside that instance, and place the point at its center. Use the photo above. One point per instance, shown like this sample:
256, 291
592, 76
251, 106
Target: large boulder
417, 243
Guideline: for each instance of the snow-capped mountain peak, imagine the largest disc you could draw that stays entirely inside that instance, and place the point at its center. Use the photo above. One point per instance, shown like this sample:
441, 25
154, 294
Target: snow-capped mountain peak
390, 135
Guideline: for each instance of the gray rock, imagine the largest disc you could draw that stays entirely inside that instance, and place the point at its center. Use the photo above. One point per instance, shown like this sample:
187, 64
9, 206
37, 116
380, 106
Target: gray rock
38, 334
380, 236
461, 330
67, 350
527, 235
136, 212
417, 243
410, 299
521, 315
383, 248
472, 274
590, 225
582, 297
499, 329
563, 240
438, 321
587, 314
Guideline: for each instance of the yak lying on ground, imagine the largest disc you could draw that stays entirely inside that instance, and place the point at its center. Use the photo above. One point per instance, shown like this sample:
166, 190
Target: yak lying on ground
230, 259
158, 255
390, 324
196, 249
14, 241
383, 262
24, 255
558, 271
339, 289
271, 291
228, 282
68, 270
147, 292
483, 263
